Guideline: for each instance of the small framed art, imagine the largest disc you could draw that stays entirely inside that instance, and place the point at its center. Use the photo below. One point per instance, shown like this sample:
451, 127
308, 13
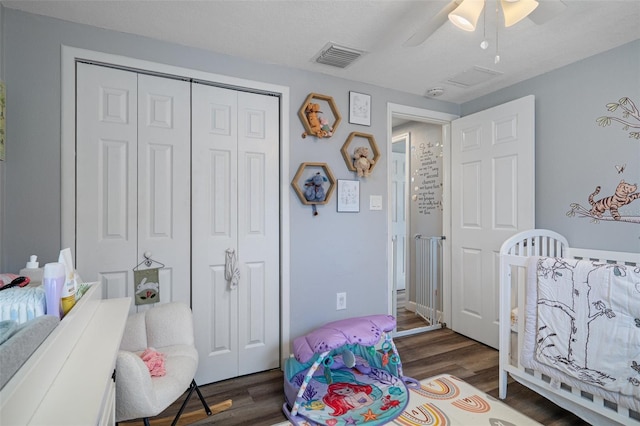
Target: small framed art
359, 108
348, 196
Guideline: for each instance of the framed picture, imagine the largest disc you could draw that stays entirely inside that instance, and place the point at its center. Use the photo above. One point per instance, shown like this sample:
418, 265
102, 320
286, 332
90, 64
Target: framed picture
359, 108
348, 196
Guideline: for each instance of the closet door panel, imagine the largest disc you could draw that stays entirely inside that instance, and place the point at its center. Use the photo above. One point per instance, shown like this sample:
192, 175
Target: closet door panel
255, 193
133, 179
116, 283
224, 337
164, 179
235, 207
106, 193
258, 231
215, 223
220, 192
256, 329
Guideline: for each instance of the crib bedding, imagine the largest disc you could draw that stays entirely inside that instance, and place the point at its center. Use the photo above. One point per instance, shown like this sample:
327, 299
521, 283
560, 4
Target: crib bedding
582, 326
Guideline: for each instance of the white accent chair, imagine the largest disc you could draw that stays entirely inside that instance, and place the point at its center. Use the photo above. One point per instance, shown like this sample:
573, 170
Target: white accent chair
167, 328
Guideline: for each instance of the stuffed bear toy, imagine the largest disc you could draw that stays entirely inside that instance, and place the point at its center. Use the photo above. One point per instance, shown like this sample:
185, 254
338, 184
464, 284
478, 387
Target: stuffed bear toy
312, 110
314, 190
361, 161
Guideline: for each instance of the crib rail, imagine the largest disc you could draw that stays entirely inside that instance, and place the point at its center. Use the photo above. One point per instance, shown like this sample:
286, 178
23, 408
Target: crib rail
514, 255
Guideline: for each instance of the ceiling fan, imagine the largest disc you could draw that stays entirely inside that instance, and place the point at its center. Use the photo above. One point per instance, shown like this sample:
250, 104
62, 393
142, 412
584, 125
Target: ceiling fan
541, 14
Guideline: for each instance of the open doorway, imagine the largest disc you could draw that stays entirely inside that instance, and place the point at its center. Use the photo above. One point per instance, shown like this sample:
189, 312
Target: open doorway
418, 151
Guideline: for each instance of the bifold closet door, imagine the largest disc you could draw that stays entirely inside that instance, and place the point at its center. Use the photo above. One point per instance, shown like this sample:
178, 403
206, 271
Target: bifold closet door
133, 178
235, 216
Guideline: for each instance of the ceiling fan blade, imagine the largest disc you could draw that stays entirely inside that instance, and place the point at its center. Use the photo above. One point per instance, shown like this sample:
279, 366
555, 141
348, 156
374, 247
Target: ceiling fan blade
430, 27
546, 10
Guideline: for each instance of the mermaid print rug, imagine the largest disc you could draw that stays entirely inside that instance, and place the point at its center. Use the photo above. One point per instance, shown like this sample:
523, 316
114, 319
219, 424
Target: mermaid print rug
447, 400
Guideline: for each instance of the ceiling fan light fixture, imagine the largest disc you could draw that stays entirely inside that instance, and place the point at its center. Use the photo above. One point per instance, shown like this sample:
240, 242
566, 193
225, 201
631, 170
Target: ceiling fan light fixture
515, 11
466, 15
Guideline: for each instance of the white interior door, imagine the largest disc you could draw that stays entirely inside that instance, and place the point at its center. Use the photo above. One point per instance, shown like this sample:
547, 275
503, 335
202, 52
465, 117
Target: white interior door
106, 163
492, 187
398, 215
164, 178
133, 135
235, 207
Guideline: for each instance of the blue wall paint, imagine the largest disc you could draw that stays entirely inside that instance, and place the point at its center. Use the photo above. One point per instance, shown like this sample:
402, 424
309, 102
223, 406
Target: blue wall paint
332, 252
574, 154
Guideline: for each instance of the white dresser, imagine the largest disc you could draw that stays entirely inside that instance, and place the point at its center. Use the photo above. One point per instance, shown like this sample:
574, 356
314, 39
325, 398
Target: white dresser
69, 379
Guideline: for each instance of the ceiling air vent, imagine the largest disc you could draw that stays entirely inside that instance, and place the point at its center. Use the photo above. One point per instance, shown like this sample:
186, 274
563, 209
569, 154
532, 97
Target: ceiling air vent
337, 56
473, 76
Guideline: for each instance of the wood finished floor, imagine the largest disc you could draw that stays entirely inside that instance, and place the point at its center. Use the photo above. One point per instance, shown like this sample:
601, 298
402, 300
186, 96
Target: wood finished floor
258, 398
405, 319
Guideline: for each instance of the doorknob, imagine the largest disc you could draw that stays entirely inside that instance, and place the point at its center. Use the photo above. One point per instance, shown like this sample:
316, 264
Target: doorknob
147, 258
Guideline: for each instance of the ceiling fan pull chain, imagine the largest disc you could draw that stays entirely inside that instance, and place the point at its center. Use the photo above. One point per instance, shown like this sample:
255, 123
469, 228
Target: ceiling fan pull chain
484, 44
497, 58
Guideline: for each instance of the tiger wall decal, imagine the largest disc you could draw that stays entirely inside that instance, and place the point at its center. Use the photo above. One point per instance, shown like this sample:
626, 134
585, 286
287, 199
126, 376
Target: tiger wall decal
624, 194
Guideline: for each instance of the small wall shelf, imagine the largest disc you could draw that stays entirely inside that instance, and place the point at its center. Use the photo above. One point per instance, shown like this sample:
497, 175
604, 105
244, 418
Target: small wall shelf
305, 172
327, 109
347, 153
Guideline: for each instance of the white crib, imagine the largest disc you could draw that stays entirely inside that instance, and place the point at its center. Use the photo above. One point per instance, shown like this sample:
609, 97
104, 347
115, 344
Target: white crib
514, 255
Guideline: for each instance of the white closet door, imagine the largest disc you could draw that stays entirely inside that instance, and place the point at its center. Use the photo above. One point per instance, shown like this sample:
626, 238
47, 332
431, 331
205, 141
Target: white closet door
106, 164
164, 179
258, 232
235, 207
133, 134
214, 216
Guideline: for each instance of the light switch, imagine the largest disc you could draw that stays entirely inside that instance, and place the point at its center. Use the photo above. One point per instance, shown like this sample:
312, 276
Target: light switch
375, 202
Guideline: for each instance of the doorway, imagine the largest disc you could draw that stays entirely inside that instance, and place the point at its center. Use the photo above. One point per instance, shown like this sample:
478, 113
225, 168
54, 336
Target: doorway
418, 148
503, 126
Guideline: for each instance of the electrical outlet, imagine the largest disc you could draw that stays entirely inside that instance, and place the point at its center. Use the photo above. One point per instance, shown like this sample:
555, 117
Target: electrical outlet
341, 301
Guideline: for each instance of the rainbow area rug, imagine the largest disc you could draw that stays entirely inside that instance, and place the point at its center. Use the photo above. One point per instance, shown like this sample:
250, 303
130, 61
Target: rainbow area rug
447, 400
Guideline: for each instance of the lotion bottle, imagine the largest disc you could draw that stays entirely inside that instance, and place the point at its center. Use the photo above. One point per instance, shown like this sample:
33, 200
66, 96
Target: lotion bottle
69, 288
53, 280
32, 271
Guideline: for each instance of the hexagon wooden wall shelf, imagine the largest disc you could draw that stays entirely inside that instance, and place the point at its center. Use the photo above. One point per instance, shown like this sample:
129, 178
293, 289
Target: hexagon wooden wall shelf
301, 174
322, 100
348, 157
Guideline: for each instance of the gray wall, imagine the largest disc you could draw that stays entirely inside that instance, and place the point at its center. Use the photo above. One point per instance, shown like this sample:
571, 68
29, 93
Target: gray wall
573, 153
2, 166
332, 252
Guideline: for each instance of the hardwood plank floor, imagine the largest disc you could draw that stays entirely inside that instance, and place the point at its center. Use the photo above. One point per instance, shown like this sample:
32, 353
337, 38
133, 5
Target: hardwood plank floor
258, 398
406, 320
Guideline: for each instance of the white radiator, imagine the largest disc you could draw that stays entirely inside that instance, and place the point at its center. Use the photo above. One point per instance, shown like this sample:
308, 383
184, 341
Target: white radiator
429, 279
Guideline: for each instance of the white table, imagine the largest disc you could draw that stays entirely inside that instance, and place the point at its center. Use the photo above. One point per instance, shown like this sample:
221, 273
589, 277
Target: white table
69, 379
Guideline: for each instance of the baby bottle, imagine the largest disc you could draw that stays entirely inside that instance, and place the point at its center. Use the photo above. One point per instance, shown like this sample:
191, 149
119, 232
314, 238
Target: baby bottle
53, 280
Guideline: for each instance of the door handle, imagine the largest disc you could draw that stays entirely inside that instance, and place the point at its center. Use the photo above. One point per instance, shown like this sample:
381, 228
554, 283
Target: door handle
231, 271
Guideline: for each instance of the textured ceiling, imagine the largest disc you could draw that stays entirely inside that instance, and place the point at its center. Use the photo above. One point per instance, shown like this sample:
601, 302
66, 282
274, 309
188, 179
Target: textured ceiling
291, 33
